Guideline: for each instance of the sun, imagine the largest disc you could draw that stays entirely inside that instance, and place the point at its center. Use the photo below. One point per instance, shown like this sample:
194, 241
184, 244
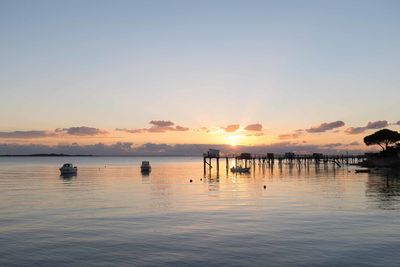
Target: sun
233, 140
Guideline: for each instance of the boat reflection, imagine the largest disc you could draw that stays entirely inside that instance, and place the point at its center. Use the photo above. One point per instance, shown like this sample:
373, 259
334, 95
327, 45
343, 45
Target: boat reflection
68, 176
145, 177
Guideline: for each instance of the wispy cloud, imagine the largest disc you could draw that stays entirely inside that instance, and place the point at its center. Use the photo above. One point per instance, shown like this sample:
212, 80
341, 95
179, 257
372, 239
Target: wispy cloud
293, 135
326, 126
355, 143
234, 128
370, 125
340, 145
27, 134
254, 134
76, 131
81, 131
157, 126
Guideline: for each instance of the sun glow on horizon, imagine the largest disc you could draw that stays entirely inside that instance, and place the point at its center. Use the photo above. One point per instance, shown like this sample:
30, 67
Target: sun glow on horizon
233, 140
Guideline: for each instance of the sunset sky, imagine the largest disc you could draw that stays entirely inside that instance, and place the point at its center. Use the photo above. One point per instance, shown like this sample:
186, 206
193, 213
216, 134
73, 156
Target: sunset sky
300, 74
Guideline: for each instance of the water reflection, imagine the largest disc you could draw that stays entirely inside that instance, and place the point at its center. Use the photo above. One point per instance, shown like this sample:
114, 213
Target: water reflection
68, 176
309, 216
145, 178
383, 189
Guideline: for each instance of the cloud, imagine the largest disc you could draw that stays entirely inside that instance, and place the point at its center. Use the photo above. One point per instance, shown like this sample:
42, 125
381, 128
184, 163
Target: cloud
355, 143
370, 125
27, 134
377, 124
294, 135
325, 127
231, 128
355, 130
130, 130
332, 145
161, 123
181, 128
256, 127
255, 134
158, 126
81, 131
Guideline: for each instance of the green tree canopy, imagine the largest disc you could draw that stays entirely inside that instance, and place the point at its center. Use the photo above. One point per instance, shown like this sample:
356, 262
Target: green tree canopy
382, 138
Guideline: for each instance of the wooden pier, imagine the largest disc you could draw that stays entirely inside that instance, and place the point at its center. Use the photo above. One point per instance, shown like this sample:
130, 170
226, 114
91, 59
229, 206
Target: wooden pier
269, 159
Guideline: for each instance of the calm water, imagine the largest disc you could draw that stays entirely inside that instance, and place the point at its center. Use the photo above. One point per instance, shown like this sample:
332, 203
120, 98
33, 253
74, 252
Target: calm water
111, 215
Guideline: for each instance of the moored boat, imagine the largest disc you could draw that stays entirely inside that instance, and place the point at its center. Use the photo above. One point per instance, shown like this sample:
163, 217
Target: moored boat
145, 167
240, 169
68, 168
362, 171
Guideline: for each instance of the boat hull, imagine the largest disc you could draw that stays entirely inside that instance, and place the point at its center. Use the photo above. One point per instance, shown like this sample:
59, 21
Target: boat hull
145, 169
69, 171
240, 170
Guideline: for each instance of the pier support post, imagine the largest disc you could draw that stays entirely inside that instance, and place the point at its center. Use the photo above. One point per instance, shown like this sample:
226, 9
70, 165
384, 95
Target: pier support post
204, 166
217, 167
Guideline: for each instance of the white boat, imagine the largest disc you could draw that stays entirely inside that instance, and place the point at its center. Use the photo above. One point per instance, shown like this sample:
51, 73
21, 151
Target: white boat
68, 168
145, 167
240, 169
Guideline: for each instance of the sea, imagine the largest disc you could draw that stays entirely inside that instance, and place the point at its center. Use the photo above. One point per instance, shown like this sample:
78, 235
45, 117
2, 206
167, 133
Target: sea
110, 214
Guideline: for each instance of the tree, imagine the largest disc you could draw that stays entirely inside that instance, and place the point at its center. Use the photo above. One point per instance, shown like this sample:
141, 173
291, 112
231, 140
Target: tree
382, 138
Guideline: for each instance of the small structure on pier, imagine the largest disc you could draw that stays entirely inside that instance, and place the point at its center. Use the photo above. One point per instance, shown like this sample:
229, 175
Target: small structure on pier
214, 153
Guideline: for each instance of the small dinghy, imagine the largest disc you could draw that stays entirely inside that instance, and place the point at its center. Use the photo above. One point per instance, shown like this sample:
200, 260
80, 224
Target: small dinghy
363, 171
68, 168
240, 170
145, 167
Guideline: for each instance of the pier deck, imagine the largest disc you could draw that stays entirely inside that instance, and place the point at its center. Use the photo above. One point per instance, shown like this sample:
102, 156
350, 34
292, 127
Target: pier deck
268, 159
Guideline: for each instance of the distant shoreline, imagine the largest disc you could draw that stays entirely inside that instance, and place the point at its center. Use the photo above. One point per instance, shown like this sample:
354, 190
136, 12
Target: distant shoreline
68, 155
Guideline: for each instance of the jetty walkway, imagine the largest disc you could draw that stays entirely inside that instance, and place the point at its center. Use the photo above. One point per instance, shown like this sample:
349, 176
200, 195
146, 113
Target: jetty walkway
268, 159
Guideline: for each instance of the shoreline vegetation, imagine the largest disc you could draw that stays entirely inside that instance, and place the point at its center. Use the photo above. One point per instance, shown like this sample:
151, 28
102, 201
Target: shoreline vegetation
389, 157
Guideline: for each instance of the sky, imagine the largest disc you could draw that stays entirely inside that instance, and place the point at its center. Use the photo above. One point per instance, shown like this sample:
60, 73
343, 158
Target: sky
300, 75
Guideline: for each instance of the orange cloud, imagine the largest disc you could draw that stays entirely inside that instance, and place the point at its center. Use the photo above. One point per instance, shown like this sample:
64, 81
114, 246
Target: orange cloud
231, 128
294, 135
257, 127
